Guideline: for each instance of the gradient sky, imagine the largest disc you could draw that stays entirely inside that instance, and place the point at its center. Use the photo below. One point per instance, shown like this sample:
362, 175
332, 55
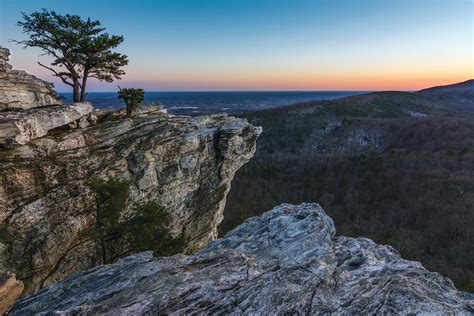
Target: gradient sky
271, 44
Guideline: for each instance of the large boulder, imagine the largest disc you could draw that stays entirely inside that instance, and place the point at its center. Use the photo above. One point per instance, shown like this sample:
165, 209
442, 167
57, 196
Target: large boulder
20, 90
287, 261
47, 202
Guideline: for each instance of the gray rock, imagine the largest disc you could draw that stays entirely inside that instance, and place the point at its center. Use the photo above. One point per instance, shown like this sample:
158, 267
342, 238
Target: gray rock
286, 261
18, 128
20, 90
46, 203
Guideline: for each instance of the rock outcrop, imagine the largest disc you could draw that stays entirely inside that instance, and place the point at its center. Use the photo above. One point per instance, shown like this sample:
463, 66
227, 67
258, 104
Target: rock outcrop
20, 90
18, 128
29, 107
287, 261
52, 155
47, 203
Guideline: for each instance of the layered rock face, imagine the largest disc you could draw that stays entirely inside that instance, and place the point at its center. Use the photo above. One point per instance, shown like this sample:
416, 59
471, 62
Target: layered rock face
20, 90
51, 155
29, 107
286, 261
18, 128
47, 203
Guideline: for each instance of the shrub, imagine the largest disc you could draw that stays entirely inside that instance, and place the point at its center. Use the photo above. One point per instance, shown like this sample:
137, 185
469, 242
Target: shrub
111, 199
4, 235
147, 230
132, 98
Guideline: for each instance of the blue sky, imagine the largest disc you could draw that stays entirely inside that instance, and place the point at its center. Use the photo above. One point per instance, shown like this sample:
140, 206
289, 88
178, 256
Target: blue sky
271, 44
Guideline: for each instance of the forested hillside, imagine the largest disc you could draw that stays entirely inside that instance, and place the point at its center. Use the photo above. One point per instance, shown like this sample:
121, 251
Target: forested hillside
392, 166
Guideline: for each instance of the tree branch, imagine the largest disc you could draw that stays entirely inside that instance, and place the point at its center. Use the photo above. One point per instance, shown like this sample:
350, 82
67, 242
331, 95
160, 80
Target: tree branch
56, 74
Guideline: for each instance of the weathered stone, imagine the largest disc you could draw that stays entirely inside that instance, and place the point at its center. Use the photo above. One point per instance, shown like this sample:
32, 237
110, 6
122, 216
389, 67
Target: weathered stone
20, 90
286, 261
46, 203
10, 290
18, 128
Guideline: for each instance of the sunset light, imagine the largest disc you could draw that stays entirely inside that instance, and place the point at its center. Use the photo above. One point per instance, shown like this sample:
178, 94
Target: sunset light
274, 44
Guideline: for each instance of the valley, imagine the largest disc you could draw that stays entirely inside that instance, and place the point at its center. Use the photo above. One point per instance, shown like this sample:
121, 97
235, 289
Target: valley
396, 167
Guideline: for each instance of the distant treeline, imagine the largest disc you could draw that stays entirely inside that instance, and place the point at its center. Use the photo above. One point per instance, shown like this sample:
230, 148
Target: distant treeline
378, 172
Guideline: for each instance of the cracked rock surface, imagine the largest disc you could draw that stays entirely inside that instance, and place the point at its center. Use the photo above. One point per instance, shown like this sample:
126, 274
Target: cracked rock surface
184, 164
18, 128
287, 261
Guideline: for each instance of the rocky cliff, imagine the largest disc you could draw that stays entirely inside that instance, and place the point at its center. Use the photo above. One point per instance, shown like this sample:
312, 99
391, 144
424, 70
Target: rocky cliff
287, 261
58, 162
183, 164
20, 90
10, 290
29, 107
19, 127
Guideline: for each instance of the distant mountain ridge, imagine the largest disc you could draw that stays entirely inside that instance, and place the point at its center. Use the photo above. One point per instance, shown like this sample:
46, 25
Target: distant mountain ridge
454, 99
457, 96
396, 167
467, 85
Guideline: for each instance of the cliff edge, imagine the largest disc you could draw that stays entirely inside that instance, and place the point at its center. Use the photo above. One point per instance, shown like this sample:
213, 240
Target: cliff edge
59, 163
184, 165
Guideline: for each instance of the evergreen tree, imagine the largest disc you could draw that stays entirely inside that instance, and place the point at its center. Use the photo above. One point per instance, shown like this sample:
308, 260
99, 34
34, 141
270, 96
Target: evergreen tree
81, 49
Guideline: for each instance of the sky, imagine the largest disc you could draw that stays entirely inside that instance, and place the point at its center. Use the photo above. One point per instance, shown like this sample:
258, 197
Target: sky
233, 45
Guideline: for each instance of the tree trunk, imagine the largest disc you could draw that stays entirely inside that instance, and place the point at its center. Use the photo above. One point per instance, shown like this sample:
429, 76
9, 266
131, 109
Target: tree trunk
75, 91
83, 87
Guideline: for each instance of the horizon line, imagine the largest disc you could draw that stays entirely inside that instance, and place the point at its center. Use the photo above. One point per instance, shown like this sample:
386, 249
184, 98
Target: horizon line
237, 91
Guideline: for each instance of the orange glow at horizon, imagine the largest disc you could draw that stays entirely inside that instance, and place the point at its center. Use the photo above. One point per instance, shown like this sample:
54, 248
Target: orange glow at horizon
184, 45
306, 81
273, 77
291, 80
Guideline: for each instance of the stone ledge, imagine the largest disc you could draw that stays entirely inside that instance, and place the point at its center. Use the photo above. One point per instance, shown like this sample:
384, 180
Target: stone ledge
18, 128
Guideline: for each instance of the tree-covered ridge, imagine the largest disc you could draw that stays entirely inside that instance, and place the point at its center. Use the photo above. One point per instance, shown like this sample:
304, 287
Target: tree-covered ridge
395, 167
